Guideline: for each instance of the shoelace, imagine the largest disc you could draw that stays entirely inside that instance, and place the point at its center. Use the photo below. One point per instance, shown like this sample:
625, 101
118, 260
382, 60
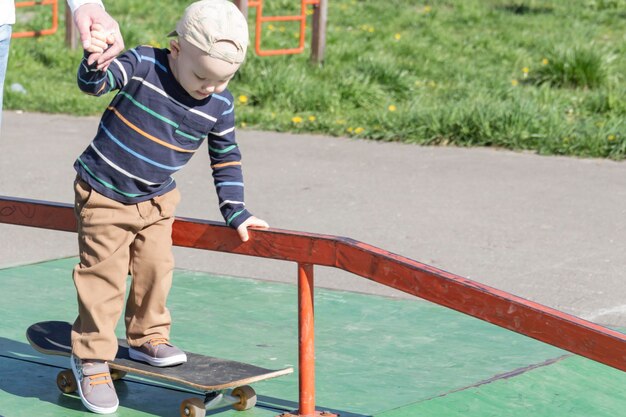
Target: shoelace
106, 379
95, 379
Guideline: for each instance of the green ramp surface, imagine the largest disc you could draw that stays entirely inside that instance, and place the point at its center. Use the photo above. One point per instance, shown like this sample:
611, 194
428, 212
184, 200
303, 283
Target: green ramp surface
375, 356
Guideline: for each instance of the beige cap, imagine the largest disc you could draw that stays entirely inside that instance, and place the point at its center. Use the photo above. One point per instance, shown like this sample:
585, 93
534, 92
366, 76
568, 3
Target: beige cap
207, 22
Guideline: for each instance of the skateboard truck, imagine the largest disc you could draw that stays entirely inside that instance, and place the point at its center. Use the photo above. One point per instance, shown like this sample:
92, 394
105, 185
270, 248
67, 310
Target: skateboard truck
240, 398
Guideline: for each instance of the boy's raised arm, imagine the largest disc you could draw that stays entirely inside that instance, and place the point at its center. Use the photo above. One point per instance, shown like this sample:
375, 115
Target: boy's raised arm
227, 175
94, 81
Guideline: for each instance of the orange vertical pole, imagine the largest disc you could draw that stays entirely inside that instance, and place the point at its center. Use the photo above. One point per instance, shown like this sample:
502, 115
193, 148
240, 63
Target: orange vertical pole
303, 4
306, 335
306, 345
258, 25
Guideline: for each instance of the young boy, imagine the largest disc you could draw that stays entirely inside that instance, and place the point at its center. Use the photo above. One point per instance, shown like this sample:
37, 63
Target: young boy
169, 102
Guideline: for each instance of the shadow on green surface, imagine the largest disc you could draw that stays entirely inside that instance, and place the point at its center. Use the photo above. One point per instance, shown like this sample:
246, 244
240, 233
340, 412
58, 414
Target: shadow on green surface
27, 373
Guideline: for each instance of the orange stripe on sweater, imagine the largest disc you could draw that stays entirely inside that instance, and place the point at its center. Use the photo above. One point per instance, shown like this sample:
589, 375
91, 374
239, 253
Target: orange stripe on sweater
225, 164
147, 135
101, 88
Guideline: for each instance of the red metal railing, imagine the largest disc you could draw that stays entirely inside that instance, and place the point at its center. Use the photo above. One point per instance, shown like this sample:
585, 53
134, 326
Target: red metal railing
48, 31
466, 296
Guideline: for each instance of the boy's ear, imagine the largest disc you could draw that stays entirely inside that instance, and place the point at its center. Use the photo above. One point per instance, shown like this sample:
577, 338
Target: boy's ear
174, 48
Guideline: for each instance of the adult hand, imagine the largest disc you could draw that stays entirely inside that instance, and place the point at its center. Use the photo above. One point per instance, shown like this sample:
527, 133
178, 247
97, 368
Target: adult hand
250, 222
85, 17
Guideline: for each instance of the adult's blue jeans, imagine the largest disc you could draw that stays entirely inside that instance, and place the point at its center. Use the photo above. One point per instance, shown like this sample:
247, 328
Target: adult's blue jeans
5, 39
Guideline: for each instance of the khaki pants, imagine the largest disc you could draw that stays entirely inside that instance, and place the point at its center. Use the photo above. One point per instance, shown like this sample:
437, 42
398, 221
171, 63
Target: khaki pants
116, 239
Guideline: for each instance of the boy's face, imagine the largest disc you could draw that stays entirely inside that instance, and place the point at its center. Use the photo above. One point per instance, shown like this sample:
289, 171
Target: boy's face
198, 73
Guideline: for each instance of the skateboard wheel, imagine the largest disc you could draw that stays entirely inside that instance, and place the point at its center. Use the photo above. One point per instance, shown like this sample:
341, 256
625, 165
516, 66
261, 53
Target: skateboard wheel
117, 374
247, 397
66, 381
192, 407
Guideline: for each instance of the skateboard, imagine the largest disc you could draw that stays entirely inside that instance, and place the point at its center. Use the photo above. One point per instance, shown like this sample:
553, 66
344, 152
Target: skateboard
221, 381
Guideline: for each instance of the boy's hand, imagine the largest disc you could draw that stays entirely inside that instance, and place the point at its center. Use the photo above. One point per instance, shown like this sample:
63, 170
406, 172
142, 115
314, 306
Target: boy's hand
253, 222
99, 39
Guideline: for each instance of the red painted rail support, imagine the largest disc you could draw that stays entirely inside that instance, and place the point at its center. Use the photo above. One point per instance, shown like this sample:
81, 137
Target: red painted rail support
306, 344
306, 336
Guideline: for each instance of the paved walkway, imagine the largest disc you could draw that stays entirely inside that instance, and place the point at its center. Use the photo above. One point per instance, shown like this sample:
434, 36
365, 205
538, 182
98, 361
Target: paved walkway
549, 229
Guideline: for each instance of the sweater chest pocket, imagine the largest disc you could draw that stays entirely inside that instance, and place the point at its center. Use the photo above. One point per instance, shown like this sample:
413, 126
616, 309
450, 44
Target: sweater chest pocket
192, 131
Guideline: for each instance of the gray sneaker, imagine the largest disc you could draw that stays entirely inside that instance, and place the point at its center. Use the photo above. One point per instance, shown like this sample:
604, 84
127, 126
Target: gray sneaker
158, 352
95, 385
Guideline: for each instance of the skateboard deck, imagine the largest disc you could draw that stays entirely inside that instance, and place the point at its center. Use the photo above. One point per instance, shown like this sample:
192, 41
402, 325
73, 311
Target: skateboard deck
203, 373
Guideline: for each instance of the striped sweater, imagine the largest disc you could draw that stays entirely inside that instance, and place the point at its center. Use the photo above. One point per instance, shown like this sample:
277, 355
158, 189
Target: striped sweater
151, 129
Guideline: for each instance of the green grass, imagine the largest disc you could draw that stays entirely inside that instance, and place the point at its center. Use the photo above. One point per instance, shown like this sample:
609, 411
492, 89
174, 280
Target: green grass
539, 75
